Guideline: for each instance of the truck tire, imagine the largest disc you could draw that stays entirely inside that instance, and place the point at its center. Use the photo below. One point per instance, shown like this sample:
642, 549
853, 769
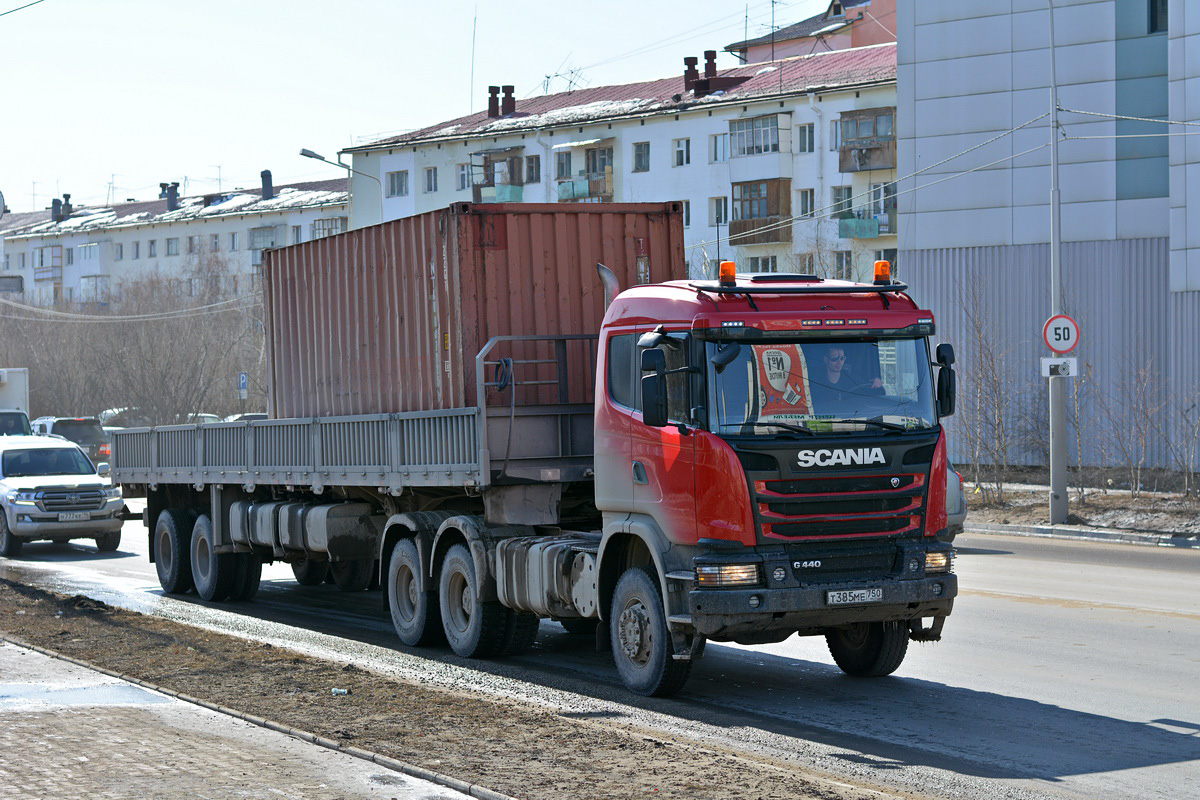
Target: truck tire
520, 632
212, 573
10, 545
108, 542
247, 574
172, 550
309, 572
473, 629
354, 575
415, 612
868, 649
641, 644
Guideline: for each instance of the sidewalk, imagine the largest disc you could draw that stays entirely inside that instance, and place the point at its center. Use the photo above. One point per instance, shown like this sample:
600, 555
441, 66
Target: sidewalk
71, 732
1080, 532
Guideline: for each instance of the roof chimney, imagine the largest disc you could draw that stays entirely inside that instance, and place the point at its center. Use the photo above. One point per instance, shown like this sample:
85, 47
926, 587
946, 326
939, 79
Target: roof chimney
268, 191
56, 210
67, 208
508, 103
710, 63
690, 73
493, 101
172, 196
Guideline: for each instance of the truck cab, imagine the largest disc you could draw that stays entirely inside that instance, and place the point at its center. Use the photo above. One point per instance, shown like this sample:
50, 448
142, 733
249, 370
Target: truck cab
774, 441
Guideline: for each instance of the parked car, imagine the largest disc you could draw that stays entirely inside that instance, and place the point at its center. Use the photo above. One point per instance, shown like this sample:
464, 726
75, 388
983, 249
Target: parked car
249, 416
83, 431
50, 490
956, 505
199, 418
124, 418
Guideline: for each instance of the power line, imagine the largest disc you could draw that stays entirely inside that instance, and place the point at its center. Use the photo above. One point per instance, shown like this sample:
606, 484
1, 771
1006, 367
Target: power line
20, 8
52, 315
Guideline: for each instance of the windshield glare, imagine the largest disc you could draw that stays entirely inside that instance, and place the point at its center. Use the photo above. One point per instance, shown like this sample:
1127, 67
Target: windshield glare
45, 461
823, 386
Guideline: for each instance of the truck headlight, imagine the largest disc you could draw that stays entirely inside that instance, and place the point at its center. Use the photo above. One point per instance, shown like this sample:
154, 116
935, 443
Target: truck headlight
711, 575
939, 561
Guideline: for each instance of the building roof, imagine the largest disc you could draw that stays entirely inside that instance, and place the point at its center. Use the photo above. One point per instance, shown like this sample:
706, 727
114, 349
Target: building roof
213, 205
11, 221
819, 72
823, 23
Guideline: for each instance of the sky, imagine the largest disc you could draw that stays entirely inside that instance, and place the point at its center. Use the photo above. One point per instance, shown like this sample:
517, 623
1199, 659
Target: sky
106, 99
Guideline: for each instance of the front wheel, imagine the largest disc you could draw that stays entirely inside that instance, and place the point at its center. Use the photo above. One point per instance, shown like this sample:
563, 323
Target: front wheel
868, 649
10, 545
473, 628
641, 644
414, 610
108, 542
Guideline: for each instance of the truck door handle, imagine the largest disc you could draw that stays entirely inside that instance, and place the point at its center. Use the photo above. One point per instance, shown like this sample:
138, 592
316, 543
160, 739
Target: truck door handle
639, 474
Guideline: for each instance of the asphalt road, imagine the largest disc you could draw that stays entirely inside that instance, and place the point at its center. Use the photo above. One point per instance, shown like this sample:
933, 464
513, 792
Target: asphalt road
1068, 669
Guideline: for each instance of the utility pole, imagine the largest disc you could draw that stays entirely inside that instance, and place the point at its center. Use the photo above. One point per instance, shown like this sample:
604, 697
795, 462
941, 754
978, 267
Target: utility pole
1058, 390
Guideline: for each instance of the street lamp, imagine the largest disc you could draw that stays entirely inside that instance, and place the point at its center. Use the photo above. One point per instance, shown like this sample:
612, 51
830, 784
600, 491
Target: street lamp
310, 154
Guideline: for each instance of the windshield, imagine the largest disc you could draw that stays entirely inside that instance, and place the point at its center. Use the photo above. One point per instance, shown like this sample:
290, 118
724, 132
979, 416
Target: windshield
13, 423
819, 387
45, 461
81, 431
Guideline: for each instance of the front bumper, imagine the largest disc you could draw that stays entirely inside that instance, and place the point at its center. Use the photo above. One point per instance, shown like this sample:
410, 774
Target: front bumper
732, 613
32, 524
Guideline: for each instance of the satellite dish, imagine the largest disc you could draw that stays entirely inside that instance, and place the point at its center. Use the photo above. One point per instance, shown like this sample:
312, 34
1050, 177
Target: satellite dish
2, 208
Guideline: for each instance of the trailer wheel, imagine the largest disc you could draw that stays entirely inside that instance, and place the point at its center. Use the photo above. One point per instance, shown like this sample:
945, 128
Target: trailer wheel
309, 572
213, 573
520, 632
10, 545
354, 575
172, 550
868, 649
247, 576
641, 644
108, 542
414, 609
473, 629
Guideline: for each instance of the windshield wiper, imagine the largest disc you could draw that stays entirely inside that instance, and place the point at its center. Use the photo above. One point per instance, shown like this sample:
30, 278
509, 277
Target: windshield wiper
891, 426
788, 426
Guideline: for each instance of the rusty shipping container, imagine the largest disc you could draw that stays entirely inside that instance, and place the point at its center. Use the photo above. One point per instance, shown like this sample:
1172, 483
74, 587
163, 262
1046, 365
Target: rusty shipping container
390, 318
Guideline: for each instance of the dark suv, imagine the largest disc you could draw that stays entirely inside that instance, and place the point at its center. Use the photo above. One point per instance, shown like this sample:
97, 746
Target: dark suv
83, 431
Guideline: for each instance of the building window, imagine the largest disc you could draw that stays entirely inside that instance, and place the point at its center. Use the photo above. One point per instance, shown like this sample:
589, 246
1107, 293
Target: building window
562, 165
118, 252
173, 246
718, 210
835, 134
397, 183
234, 241
641, 156
214, 242
533, 169
683, 152
805, 262
193, 244
430, 179
807, 204
1158, 16
152, 248
867, 129
762, 264
464, 176
687, 213
805, 138
137, 250
718, 148
842, 198
297, 234
843, 265
883, 198
70, 256
752, 136
263, 237
328, 227
7, 267
750, 200
598, 160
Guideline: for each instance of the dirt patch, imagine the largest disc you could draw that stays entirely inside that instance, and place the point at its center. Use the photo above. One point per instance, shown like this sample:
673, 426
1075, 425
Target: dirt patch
510, 747
1117, 510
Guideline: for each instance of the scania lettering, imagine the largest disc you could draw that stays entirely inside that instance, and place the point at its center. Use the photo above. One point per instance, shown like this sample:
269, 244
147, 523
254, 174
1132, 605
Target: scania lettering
734, 460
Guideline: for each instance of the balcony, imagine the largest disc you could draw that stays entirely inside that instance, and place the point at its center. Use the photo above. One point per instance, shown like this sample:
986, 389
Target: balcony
586, 188
47, 273
864, 155
760, 230
501, 193
867, 225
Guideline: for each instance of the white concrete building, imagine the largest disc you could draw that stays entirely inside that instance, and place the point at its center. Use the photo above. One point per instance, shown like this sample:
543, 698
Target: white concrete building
83, 254
974, 112
784, 166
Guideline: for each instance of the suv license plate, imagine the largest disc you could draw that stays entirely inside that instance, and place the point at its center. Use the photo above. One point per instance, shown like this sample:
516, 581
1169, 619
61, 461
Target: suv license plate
74, 516
854, 597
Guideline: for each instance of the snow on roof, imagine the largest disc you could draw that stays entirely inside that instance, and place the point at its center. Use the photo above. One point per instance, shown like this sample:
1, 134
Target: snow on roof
840, 69
313, 194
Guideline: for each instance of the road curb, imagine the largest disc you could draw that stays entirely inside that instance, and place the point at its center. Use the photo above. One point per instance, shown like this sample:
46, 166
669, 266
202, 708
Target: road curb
481, 792
1085, 534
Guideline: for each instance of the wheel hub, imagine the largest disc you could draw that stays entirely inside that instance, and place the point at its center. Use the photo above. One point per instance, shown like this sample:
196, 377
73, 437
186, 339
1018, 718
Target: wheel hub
633, 628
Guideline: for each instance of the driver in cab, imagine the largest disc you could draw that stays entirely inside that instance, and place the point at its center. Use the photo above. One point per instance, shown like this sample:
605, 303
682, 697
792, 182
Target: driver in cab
837, 383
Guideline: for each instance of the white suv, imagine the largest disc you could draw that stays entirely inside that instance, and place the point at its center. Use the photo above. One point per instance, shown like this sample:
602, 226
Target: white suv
50, 490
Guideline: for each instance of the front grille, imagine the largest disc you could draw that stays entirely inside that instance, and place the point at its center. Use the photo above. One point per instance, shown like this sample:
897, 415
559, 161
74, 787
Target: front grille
56, 500
850, 506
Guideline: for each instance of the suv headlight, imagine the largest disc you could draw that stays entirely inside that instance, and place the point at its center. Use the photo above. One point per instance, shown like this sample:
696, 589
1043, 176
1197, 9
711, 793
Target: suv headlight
25, 497
112, 492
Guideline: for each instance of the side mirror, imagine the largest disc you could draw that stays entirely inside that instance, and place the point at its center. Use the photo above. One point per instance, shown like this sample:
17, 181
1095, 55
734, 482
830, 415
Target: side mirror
946, 389
654, 388
945, 355
103, 469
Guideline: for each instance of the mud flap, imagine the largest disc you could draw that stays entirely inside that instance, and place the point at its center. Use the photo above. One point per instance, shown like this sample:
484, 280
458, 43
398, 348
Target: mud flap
931, 634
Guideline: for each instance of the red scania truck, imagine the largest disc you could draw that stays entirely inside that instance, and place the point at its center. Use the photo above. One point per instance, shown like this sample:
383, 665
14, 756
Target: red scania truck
469, 411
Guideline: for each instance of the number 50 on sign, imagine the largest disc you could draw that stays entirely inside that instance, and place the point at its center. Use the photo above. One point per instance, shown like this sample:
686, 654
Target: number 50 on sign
1061, 334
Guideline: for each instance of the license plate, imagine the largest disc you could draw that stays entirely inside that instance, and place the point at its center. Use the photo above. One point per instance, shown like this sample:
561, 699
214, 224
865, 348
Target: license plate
74, 516
850, 597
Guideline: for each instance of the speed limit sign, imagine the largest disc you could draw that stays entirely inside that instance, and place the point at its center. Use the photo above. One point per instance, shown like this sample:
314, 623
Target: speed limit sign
1061, 334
